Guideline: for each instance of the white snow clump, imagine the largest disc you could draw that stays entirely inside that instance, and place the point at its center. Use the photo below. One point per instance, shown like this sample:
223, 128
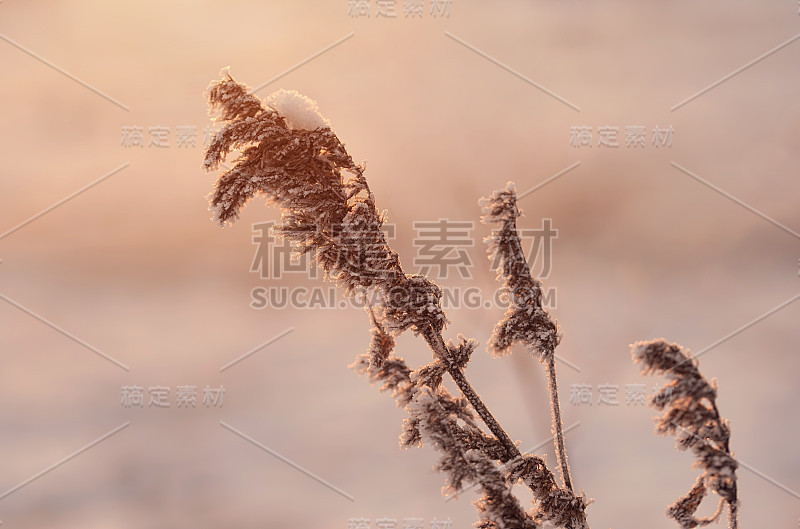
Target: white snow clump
300, 112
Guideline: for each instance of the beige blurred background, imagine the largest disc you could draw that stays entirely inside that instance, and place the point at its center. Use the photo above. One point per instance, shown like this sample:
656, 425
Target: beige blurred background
134, 267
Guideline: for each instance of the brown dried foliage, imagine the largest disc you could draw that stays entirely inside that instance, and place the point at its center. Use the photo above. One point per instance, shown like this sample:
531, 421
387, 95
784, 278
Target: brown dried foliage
329, 212
690, 413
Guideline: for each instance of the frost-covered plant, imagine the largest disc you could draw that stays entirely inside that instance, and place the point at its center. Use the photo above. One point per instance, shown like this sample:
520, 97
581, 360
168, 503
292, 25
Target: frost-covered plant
290, 155
692, 416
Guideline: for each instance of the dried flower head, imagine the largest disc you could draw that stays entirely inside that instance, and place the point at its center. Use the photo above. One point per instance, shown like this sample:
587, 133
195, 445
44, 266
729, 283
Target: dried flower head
690, 412
525, 320
326, 207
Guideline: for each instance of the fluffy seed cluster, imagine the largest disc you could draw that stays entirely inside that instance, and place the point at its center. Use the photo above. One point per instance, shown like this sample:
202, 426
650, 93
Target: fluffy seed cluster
690, 413
525, 320
327, 208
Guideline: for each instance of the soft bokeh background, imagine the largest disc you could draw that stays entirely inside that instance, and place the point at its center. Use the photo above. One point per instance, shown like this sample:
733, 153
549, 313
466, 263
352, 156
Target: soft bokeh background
134, 267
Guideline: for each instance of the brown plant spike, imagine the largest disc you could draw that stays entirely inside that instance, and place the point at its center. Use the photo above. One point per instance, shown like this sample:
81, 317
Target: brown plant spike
691, 414
290, 155
526, 321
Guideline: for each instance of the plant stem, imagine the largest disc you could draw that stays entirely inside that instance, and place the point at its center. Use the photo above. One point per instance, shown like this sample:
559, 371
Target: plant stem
558, 425
733, 515
522, 268
436, 343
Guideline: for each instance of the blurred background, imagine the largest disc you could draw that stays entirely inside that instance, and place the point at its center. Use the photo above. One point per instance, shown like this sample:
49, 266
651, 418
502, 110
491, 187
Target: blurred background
686, 229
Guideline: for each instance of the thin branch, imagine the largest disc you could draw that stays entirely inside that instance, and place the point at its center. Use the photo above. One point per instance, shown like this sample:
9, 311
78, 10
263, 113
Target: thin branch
558, 424
436, 343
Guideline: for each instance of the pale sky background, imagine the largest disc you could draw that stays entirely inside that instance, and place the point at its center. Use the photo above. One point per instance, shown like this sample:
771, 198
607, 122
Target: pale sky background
443, 110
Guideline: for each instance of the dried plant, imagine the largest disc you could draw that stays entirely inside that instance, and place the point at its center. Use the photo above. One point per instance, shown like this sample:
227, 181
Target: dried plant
328, 211
690, 413
289, 154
